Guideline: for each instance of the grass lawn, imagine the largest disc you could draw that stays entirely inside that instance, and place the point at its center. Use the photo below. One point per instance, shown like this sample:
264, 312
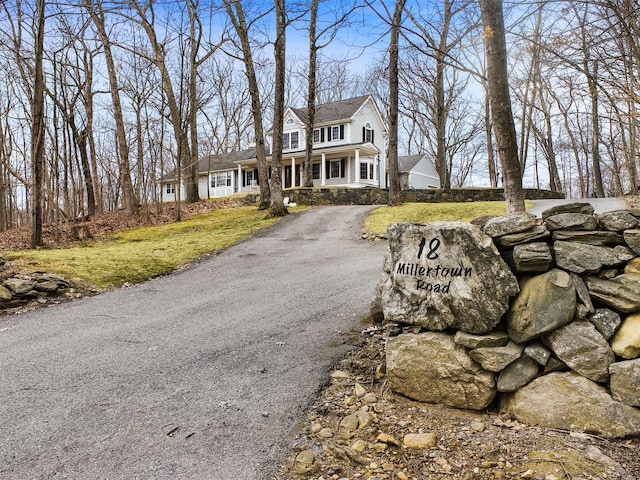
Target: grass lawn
140, 254
431, 212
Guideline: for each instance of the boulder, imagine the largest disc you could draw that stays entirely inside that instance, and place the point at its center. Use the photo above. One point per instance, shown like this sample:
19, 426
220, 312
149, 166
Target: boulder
569, 401
496, 359
625, 382
632, 238
510, 224
493, 339
444, 275
430, 367
18, 286
575, 207
546, 302
5, 293
621, 293
597, 238
582, 348
626, 342
581, 258
606, 321
572, 221
617, 221
532, 257
539, 232
517, 374
633, 266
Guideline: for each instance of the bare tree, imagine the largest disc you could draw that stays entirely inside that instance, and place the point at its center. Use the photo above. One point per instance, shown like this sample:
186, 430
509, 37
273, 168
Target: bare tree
502, 115
38, 128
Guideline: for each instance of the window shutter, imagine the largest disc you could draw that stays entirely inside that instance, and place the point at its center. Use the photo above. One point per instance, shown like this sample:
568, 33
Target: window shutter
341, 132
364, 134
372, 135
342, 164
328, 134
255, 176
327, 169
322, 134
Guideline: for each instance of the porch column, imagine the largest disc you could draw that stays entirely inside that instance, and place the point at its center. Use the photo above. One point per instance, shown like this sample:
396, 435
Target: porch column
348, 169
375, 170
357, 159
293, 172
239, 178
323, 171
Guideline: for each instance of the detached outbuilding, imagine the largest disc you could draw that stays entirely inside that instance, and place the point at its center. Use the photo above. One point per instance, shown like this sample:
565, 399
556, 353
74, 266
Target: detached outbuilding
417, 172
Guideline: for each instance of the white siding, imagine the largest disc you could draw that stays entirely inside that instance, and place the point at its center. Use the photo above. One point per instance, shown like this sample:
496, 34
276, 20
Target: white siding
424, 175
368, 114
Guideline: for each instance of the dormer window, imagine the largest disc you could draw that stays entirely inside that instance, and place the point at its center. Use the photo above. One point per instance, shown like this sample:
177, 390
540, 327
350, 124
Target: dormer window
367, 133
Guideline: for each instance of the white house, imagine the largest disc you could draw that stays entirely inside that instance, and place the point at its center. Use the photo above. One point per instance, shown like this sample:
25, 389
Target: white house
417, 172
349, 149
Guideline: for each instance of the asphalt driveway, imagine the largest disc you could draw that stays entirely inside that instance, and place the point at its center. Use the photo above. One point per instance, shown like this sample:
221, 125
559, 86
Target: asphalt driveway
202, 374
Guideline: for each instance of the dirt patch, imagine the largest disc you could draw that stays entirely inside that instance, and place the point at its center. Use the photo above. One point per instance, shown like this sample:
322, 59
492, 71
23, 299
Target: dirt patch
372, 444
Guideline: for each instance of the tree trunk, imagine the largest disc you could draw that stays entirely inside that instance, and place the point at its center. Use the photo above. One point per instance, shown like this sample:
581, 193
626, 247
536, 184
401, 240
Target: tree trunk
503, 124
277, 208
493, 175
395, 193
311, 95
38, 130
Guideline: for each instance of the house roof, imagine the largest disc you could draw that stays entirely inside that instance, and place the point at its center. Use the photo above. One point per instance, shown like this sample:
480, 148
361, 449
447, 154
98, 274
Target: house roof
220, 161
334, 111
407, 162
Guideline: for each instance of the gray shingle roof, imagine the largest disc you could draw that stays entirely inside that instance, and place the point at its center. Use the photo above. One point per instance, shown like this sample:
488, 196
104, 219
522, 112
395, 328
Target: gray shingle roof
407, 162
221, 161
334, 111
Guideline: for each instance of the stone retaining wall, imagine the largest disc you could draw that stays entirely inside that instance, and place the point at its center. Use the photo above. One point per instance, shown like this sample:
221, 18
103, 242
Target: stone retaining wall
377, 196
537, 316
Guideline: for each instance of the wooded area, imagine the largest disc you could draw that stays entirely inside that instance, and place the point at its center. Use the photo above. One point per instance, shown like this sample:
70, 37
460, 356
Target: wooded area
101, 99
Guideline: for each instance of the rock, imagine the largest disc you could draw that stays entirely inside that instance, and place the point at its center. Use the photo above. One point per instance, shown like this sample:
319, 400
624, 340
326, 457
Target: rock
569, 401
625, 382
510, 224
555, 365
606, 321
626, 342
495, 359
339, 375
582, 348
621, 293
538, 352
581, 258
546, 302
633, 266
325, 433
517, 374
632, 238
617, 221
347, 426
5, 293
359, 390
387, 439
365, 419
444, 275
469, 340
571, 221
430, 367
596, 238
359, 446
46, 286
18, 285
477, 426
582, 293
420, 440
575, 207
532, 257
304, 462
539, 232
370, 398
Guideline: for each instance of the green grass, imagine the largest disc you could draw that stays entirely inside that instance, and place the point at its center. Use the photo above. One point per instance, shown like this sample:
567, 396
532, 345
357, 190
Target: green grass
431, 212
140, 254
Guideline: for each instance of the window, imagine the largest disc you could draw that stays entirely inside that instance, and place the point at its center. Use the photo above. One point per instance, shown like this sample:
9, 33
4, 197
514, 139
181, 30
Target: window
334, 169
290, 140
366, 171
335, 132
367, 133
315, 167
316, 135
251, 178
171, 188
220, 180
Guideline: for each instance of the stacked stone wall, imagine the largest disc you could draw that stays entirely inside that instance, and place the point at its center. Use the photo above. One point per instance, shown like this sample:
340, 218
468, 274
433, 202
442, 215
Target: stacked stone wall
557, 341
378, 196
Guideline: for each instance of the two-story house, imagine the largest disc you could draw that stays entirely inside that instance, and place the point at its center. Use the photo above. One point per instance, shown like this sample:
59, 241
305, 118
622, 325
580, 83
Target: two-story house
348, 150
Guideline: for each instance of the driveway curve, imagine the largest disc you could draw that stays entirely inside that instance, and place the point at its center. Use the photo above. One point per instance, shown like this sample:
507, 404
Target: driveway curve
202, 374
